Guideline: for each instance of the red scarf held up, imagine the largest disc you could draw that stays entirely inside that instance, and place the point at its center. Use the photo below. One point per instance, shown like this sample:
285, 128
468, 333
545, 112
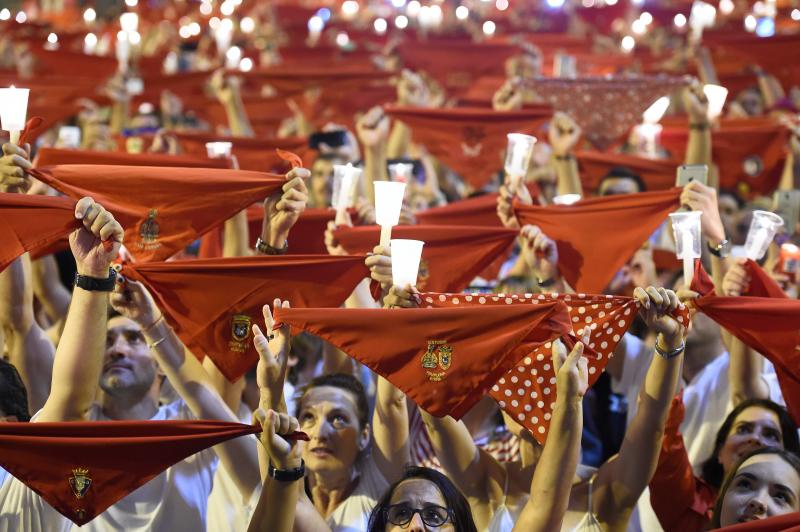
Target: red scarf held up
527, 392
471, 141
658, 174
452, 255
82, 468
212, 304
162, 209
764, 321
444, 359
55, 156
597, 236
32, 224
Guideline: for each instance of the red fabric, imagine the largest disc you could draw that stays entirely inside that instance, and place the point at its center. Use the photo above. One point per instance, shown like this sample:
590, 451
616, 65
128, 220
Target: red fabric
750, 153
297, 78
781, 523
605, 107
767, 324
32, 223
152, 203
50, 116
452, 255
658, 174
681, 501
597, 236
54, 156
75, 64
457, 64
527, 392
761, 284
471, 141
479, 210
265, 114
212, 303
483, 344
117, 457
744, 50
33, 127
258, 155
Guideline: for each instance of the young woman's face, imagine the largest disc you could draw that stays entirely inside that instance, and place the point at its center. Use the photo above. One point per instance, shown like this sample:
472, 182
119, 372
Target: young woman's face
754, 428
764, 486
418, 494
329, 415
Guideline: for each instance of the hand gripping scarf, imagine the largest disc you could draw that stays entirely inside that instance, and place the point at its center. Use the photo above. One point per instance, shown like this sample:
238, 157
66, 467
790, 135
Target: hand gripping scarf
452, 255
763, 320
162, 209
471, 141
33, 223
212, 304
444, 359
597, 236
527, 392
82, 468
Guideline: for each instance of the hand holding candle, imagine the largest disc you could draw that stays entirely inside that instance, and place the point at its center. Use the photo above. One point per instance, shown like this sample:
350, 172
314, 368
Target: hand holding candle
518, 157
13, 111
388, 203
406, 255
686, 227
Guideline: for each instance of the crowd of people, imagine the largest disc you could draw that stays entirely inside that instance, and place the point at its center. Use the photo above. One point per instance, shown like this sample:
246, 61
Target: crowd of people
199, 314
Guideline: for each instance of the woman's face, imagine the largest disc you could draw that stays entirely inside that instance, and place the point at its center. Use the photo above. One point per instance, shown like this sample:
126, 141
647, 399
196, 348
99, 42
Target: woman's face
329, 416
418, 494
754, 428
764, 486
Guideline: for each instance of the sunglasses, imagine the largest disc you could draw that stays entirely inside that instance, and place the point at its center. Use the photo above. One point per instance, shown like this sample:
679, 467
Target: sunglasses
402, 514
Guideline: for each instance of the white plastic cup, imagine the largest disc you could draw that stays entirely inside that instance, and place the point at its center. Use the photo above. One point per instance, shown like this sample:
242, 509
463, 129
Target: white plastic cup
345, 182
518, 156
401, 172
647, 137
762, 230
716, 95
655, 112
388, 202
69, 137
566, 199
217, 150
406, 255
686, 227
13, 110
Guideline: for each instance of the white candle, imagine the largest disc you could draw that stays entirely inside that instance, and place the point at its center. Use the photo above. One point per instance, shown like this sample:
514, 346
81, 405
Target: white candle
406, 255
13, 111
218, 149
688, 257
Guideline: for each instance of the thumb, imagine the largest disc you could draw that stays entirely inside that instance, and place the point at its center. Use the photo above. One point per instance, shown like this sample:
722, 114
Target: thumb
260, 417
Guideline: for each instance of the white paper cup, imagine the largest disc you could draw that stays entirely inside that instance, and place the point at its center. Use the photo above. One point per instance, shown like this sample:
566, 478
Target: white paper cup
406, 255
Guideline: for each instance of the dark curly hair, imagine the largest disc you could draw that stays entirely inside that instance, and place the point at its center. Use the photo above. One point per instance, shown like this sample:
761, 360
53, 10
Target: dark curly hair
456, 502
712, 470
13, 395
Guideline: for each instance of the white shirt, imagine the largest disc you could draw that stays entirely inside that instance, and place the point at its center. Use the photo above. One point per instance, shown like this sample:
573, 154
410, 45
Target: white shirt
352, 515
174, 500
227, 511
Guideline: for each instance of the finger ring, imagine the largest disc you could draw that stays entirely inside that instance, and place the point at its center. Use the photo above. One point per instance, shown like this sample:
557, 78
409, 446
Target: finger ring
270, 337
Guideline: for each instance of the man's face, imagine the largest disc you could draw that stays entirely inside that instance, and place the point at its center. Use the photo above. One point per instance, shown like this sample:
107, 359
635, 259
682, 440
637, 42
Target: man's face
128, 366
321, 183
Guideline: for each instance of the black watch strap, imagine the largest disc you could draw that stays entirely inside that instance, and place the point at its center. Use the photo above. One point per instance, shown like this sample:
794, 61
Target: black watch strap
722, 250
94, 284
287, 475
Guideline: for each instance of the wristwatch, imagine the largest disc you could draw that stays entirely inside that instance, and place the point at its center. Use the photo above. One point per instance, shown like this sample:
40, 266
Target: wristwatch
721, 250
265, 249
287, 475
94, 284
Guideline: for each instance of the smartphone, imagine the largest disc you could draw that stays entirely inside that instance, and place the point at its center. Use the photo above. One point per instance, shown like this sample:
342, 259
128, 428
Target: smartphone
786, 204
332, 139
69, 137
691, 172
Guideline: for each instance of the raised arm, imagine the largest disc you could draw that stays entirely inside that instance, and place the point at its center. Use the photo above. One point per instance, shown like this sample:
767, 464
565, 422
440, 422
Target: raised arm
698, 149
190, 380
29, 349
621, 481
699, 197
79, 357
541, 256
564, 134
555, 471
746, 365
281, 212
229, 95
373, 132
790, 178
51, 293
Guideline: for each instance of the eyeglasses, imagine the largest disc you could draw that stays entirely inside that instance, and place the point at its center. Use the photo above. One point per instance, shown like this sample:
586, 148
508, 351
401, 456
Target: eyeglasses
402, 514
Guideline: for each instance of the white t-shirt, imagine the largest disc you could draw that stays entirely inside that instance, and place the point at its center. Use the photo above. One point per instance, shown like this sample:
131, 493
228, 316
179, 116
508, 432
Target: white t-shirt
174, 500
352, 515
227, 511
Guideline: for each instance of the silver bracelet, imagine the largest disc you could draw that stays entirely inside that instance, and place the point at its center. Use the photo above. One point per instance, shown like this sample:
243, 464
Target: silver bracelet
667, 355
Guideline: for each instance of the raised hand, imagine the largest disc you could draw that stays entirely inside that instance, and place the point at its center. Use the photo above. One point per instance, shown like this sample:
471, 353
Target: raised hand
699, 197
505, 202
373, 128
539, 251
132, 300
273, 353
696, 103
564, 134
407, 297
655, 305
572, 371
282, 211
275, 426
736, 280
96, 243
13, 166
508, 97
380, 266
